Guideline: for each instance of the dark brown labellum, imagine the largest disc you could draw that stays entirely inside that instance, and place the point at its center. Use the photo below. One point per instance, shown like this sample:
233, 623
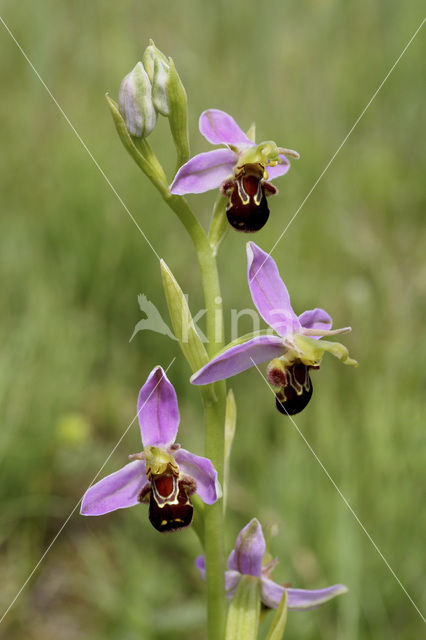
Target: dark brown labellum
297, 390
170, 508
247, 208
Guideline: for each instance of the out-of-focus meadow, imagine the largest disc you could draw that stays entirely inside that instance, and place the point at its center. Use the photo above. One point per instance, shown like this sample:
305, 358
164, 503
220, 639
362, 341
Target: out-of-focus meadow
73, 264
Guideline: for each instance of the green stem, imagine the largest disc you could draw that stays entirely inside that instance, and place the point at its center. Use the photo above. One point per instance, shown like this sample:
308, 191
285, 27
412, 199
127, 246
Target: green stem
214, 414
144, 157
214, 403
209, 273
206, 260
214, 421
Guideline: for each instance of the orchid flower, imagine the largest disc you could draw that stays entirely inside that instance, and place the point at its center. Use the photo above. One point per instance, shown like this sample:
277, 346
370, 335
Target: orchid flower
249, 557
293, 348
241, 170
163, 474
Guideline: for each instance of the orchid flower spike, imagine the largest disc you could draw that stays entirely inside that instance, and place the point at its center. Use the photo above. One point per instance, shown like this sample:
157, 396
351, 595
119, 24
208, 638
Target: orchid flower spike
241, 170
249, 557
293, 348
163, 474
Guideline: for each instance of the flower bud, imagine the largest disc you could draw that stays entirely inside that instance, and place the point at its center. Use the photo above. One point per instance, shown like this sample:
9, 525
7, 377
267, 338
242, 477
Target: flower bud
160, 97
135, 102
157, 67
168, 97
150, 56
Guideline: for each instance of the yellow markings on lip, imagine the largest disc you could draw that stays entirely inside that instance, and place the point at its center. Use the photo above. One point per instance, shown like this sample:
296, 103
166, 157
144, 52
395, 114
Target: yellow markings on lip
165, 522
244, 197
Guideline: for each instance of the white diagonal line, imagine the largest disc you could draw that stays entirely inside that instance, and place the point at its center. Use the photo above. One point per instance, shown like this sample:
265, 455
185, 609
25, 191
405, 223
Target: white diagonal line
79, 138
345, 501
78, 503
345, 139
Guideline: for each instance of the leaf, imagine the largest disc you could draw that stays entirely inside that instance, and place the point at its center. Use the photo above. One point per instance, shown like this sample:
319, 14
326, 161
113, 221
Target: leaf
277, 628
244, 610
230, 424
178, 114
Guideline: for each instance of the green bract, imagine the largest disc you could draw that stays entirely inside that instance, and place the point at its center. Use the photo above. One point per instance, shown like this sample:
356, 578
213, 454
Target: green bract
230, 425
219, 225
178, 114
244, 611
277, 628
183, 324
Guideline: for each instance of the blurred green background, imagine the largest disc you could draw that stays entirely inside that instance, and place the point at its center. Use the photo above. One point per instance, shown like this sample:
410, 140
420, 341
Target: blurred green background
73, 263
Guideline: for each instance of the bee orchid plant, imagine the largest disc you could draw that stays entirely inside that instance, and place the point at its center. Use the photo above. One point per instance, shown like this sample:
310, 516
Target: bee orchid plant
172, 481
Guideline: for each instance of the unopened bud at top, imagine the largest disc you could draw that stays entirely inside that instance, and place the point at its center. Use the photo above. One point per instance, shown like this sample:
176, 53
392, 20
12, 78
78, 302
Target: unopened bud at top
168, 96
160, 97
158, 68
150, 56
135, 102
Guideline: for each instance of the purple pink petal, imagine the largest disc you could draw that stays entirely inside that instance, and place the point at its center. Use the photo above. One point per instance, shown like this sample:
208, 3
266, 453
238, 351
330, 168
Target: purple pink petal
219, 127
298, 599
158, 411
279, 169
316, 319
117, 491
249, 550
203, 472
269, 292
204, 172
239, 358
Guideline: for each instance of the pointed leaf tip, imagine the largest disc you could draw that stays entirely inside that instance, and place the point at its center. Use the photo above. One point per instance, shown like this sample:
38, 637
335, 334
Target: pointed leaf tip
277, 628
182, 321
